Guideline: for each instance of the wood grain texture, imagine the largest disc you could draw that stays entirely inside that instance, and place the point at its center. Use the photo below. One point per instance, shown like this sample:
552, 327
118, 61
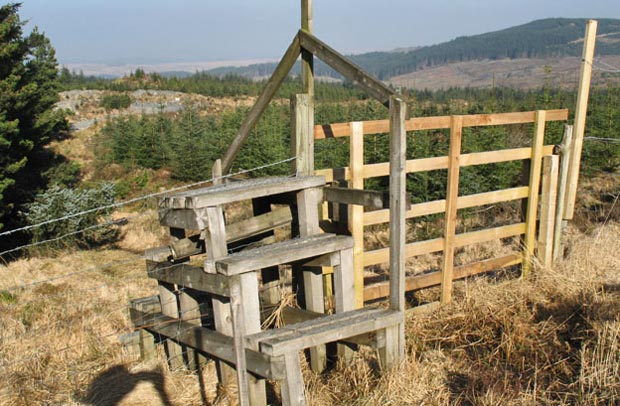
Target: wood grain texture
581, 112
547, 210
534, 182
452, 193
337, 61
436, 123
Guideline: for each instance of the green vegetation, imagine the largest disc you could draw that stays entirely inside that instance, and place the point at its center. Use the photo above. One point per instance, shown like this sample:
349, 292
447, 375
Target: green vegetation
58, 202
205, 84
188, 144
28, 123
115, 101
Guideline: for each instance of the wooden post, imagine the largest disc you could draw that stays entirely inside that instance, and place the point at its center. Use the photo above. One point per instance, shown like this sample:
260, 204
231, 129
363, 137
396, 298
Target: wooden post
452, 194
565, 151
308, 213
216, 172
215, 242
238, 321
307, 58
356, 212
398, 203
581, 111
547, 210
302, 137
534, 184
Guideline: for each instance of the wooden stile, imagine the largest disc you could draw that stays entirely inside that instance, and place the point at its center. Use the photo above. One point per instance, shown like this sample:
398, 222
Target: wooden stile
532, 202
456, 132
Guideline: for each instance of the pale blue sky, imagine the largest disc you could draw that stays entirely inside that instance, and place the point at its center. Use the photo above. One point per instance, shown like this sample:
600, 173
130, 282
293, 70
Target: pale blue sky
156, 31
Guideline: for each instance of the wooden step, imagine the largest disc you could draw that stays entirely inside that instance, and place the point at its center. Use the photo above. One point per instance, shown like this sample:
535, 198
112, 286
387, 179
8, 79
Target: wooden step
233, 192
211, 342
323, 330
280, 253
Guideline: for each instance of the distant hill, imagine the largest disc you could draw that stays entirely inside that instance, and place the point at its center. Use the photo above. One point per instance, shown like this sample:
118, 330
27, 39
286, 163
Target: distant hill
541, 40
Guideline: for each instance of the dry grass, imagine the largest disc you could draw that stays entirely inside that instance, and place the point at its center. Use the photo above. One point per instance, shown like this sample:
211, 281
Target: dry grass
552, 339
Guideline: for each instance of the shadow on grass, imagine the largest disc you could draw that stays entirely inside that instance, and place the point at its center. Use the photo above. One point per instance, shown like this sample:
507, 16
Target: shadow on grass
112, 385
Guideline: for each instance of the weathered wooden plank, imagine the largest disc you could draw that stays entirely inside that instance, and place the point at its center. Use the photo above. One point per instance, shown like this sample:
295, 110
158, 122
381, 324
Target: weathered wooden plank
360, 197
373, 86
188, 276
452, 194
258, 224
293, 384
416, 282
234, 192
438, 122
326, 330
398, 227
282, 253
215, 241
239, 328
581, 112
532, 201
189, 219
565, 152
463, 202
302, 141
211, 342
272, 86
547, 210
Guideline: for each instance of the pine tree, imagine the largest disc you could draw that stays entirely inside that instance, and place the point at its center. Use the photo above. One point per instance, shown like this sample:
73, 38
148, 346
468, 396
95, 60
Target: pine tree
28, 123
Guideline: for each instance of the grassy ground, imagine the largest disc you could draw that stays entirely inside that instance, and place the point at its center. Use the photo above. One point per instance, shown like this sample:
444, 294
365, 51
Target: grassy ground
551, 339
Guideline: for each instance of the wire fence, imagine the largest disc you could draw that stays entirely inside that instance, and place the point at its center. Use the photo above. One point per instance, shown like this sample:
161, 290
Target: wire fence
141, 198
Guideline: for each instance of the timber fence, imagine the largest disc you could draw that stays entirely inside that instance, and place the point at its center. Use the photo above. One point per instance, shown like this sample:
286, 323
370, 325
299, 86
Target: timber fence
542, 162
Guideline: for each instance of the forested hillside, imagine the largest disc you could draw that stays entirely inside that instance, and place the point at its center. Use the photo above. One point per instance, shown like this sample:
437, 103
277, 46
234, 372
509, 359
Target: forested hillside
552, 37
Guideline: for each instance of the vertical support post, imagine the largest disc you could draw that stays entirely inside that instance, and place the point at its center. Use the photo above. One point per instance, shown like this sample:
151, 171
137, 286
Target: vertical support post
216, 172
581, 111
532, 201
302, 139
565, 151
452, 194
293, 383
215, 242
547, 210
307, 59
169, 299
356, 212
308, 213
238, 321
344, 291
398, 191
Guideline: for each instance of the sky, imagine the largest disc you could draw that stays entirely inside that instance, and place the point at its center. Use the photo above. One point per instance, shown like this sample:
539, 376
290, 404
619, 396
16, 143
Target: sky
160, 31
